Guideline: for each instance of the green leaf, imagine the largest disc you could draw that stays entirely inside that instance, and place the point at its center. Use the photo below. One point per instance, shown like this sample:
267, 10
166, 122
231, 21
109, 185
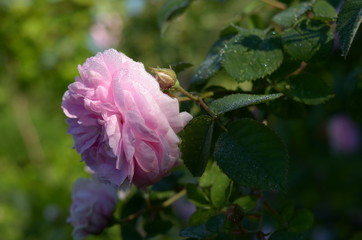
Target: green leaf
212, 63
129, 231
324, 10
224, 80
207, 179
301, 221
172, 9
308, 89
310, 40
201, 216
235, 101
197, 232
196, 196
283, 235
219, 190
288, 17
252, 155
195, 144
247, 203
287, 212
287, 108
180, 66
348, 21
216, 223
252, 54
156, 226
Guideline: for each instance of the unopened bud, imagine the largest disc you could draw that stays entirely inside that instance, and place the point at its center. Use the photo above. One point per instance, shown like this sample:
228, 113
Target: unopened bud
166, 77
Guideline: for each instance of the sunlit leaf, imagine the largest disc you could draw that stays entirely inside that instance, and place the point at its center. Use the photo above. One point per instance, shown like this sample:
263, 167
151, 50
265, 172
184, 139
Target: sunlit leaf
289, 16
324, 10
252, 54
235, 101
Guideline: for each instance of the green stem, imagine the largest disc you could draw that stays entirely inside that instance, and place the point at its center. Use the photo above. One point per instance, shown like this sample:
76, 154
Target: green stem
197, 99
165, 204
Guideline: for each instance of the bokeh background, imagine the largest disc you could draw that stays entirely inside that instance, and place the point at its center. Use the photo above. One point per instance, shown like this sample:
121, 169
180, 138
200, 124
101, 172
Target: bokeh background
43, 41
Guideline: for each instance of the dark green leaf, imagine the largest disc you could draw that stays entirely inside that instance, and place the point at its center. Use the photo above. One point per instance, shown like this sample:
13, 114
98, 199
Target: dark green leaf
287, 211
197, 232
156, 226
195, 145
349, 19
180, 66
287, 108
324, 11
287, 236
308, 89
132, 205
311, 40
288, 17
212, 63
301, 221
235, 101
252, 155
216, 223
171, 9
196, 196
200, 216
252, 54
128, 231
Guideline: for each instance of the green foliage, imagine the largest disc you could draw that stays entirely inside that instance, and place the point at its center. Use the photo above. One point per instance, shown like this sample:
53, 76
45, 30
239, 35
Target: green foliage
172, 9
252, 54
220, 188
253, 156
310, 40
324, 11
290, 16
235, 101
308, 89
303, 88
349, 19
301, 221
196, 196
212, 63
196, 142
283, 235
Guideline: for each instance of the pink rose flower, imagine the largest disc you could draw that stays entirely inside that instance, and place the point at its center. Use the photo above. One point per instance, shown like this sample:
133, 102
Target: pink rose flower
343, 134
92, 208
123, 125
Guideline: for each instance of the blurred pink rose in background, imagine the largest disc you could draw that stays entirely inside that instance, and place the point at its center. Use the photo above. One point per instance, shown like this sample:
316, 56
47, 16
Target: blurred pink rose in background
343, 134
106, 31
123, 125
92, 208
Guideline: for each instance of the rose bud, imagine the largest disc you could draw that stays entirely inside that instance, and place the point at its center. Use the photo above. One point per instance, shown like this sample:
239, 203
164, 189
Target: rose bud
92, 208
166, 77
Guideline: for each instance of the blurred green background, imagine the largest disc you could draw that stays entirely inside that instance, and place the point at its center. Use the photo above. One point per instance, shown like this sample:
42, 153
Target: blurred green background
43, 41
